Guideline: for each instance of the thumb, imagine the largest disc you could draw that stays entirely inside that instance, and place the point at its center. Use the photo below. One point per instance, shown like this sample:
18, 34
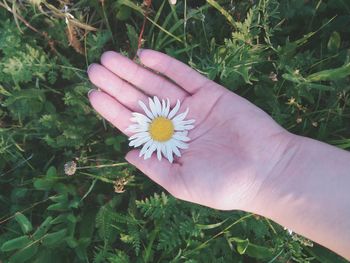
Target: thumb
162, 172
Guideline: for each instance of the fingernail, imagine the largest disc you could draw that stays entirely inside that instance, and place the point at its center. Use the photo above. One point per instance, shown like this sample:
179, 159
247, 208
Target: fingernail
90, 92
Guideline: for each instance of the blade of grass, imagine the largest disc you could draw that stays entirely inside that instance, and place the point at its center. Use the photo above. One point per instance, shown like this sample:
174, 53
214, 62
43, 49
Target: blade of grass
156, 18
172, 29
219, 234
223, 12
165, 31
106, 20
132, 5
72, 20
90, 189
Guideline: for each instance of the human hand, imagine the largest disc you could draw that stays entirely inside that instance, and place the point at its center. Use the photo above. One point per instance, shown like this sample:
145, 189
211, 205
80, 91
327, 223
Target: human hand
235, 147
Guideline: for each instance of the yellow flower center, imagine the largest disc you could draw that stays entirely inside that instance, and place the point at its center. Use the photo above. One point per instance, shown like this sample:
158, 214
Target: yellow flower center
161, 129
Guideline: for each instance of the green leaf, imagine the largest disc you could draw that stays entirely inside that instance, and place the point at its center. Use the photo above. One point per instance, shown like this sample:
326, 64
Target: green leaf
131, 5
256, 251
118, 140
15, 243
334, 42
104, 222
291, 78
58, 207
211, 226
123, 13
110, 141
81, 250
133, 37
53, 239
51, 172
74, 204
59, 219
323, 255
43, 184
242, 245
64, 218
305, 93
330, 74
59, 198
72, 242
43, 228
25, 103
319, 86
47, 255
24, 254
87, 225
24, 223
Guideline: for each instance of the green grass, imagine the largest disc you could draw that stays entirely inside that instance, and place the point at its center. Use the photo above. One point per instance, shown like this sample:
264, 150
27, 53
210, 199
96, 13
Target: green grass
291, 58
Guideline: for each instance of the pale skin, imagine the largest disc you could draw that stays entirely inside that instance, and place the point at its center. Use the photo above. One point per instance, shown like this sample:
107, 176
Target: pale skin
238, 156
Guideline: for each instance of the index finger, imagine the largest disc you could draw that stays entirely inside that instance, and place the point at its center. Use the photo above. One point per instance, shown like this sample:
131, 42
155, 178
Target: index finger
142, 78
186, 77
111, 110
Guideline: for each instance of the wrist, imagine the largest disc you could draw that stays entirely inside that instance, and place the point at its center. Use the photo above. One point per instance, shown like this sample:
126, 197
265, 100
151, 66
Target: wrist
276, 184
308, 170
307, 192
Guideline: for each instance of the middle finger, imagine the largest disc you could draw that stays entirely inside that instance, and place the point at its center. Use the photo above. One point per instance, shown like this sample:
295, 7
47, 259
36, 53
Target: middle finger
151, 83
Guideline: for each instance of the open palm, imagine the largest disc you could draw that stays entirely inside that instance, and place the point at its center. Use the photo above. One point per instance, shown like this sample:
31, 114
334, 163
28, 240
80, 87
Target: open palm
234, 146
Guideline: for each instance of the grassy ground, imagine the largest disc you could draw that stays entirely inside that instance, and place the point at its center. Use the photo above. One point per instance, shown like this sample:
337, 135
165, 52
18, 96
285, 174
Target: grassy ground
66, 193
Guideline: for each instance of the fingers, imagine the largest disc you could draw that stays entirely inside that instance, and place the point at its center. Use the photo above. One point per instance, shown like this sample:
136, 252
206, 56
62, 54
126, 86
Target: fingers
183, 75
162, 172
119, 89
111, 110
142, 78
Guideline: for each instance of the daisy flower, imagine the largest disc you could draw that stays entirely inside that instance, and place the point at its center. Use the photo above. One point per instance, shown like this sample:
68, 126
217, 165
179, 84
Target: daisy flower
160, 129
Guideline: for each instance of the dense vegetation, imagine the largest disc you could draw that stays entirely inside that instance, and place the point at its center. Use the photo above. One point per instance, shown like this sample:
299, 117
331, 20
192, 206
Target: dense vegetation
66, 193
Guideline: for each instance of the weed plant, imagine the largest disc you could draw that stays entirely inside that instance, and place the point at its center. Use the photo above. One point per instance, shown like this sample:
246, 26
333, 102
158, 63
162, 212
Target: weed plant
66, 193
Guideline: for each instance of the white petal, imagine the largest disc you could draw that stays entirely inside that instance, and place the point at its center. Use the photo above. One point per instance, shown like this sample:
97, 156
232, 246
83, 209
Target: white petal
145, 109
159, 151
169, 152
180, 144
167, 108
188, 127
183, 127
163, 107
183, 122
153, 108
174, 110
158, 105
140, 118
163, 149
149, 152
138, 135
181, 116
176, 151
145, 147
142, 136
184, 133
139, 141
142, 141
137, 128
179, 136
133, 126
